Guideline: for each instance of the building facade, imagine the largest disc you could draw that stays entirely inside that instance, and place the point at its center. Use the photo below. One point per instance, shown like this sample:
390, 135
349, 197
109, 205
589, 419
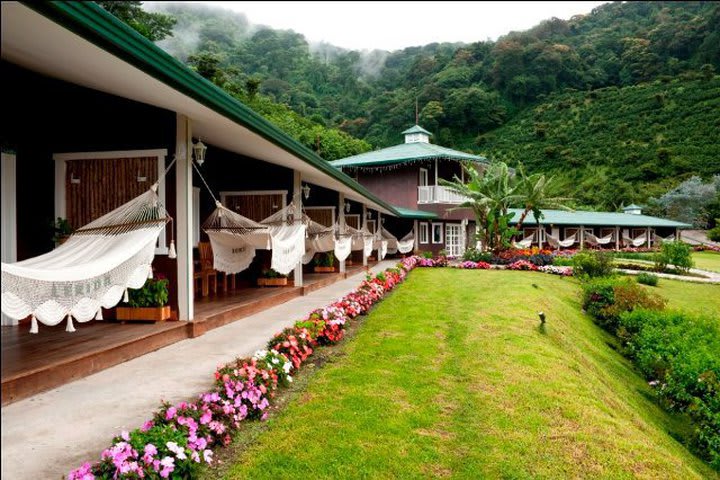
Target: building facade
409, 174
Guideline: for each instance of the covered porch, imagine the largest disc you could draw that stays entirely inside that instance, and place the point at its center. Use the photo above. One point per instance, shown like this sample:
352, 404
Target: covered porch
92, 129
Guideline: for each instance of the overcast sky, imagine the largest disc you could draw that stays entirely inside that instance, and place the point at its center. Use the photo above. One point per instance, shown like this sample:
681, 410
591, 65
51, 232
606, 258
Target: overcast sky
395, 25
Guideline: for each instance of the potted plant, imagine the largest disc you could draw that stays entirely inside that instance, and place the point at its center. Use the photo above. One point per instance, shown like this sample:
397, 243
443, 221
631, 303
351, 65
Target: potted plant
61, 230
147, 303
325, 263
271, 278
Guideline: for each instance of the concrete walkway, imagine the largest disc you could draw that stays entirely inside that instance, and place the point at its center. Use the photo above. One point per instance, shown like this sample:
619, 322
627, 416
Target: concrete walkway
47, 435
707, 275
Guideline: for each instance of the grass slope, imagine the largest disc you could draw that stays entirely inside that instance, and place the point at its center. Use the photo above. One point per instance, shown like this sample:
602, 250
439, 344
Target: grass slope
707, 261
452, 377
650, 134
698, 298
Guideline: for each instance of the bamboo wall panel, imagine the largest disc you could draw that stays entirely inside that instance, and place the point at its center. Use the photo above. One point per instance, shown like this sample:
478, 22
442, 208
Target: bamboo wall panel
323, 216
104, 184
255, 207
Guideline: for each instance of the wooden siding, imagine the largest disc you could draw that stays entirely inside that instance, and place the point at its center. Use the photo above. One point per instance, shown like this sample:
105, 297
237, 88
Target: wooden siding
96, 187
256, 206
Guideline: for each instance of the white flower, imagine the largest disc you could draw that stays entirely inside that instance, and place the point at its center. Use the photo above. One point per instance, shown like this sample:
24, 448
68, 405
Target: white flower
275, 360
260, 354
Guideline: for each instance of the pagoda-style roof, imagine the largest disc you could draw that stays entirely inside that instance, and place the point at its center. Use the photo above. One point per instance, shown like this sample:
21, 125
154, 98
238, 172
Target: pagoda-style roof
406, 153
416, 129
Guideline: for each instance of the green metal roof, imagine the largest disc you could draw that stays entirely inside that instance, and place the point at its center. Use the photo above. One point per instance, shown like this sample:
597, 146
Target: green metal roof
632, 206
589, 219
416, 129
406, 153
415, 214
96, 25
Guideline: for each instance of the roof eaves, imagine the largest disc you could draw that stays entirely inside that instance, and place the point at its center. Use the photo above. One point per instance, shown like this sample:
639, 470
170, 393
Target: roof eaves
93, 23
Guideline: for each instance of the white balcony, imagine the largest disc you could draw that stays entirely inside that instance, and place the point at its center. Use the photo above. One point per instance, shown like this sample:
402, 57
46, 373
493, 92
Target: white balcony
439, 194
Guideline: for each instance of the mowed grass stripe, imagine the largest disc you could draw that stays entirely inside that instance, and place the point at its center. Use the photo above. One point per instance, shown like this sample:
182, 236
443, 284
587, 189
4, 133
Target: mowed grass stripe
451, 376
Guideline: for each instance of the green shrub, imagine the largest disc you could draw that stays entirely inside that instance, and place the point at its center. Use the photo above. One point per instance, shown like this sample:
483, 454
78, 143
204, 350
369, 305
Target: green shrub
609, 297
153, 294
714, 233
592, 264
680, 355
427, 254
475, 255
648, 279
677, 254
559, 261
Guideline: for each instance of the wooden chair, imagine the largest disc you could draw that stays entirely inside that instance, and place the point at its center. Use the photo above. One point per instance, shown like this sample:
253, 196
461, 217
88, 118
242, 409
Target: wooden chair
207, 271
204, 270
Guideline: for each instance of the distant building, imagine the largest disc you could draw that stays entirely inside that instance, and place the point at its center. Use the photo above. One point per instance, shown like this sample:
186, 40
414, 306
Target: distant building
408, 174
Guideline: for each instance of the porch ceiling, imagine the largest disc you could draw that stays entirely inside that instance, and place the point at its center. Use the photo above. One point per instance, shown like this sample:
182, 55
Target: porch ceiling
34, 42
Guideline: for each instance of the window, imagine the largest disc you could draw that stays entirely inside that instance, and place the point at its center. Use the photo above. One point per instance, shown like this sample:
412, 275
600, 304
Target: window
371, 226
424, 237
352, 220
423, 177
437, 233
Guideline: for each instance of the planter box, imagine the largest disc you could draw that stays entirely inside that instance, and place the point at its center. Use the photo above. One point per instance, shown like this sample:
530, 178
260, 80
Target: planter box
153, 314
349, 263
272, 282
324, 269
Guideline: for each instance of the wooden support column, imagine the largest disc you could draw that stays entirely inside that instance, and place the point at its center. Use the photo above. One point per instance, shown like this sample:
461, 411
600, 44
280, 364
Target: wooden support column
582, 237
297, 199
183, 217
341, 222
364, 227
541, 236
379, 233
649, 241
677, 234
617, 238
416, 235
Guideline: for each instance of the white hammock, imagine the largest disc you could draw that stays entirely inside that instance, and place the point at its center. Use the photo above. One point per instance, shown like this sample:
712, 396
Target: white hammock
92, 269
525, 242
391, 239
319, 238
368, 246
343, 246
234, 239
658, 239
635, 242
592, 239
407, 243
287, 237
382, 249
557, 243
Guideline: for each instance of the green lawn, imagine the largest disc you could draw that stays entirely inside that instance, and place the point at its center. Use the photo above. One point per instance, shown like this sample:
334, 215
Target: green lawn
690, 297
707, 260
451, 376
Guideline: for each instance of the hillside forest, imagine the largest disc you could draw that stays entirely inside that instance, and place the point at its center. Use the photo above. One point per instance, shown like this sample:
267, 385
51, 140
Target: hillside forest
621, 104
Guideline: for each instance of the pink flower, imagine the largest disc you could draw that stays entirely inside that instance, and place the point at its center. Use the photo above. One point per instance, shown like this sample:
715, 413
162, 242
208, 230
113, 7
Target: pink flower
170, 414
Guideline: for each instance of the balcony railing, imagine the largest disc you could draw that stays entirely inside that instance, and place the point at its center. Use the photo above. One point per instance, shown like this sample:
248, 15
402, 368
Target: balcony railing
439, 194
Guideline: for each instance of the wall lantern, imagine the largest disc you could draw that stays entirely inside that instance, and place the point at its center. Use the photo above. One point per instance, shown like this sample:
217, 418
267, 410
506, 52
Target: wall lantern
369, 215
199, 150
306, 191
347, 207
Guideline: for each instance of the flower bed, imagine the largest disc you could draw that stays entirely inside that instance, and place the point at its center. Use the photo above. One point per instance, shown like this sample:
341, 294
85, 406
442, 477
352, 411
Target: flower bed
179, 438
555, 270
522, 265
469, 264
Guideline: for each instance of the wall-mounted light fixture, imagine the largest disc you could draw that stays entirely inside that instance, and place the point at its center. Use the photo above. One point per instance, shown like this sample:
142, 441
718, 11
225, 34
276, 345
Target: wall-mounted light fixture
306, 191
347, 207
368, 215
73, 179
199, 150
